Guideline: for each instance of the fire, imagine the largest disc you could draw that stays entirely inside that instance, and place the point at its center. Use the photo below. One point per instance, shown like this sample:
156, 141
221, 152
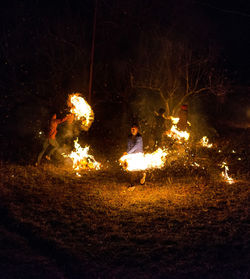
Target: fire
141, 161
81, 109
81, 159
175, 120
225, 173
204, 142
175, 133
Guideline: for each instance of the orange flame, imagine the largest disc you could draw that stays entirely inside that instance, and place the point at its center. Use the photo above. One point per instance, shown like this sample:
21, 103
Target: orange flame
141, 161
204, 142
81, 109
81, 159
175, 120
175, 133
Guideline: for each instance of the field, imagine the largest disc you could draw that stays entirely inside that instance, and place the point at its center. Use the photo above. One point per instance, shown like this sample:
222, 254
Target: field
180, 224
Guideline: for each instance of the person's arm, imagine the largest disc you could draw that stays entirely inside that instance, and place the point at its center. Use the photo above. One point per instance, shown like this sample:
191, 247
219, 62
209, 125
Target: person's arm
59, 121
137, 147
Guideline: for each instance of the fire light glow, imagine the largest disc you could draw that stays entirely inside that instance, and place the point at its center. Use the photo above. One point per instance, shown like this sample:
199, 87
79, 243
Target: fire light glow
179, 135
175, 120
81, 159
141, 161
204, 142
175, 133
81, 109
225, 173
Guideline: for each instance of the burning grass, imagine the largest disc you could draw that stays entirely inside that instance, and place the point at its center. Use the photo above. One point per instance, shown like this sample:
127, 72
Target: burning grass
181, 224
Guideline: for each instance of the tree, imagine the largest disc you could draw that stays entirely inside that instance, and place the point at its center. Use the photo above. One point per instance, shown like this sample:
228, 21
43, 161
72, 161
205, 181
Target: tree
175, 69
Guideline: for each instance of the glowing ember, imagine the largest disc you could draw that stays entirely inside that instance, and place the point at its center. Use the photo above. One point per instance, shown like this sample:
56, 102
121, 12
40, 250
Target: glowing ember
194, 164
81, 109
225, 173
140, 161
204, 142
81, 159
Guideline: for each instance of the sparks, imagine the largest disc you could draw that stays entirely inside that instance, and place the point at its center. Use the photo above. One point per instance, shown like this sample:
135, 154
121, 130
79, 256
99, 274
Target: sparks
194, 164
204, 142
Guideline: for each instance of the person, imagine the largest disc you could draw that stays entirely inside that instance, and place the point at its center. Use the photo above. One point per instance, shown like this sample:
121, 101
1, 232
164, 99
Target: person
183, 116
135, 145
159, 127
51, 137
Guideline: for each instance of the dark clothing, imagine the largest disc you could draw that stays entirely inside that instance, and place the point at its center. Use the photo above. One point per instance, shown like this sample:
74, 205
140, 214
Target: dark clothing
159, 129
182, 124
135, 144
47, 142
160, 122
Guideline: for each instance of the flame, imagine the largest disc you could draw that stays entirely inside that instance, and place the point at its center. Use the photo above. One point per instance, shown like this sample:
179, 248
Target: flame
81, 109
175, 120
204, 142
225, 173
81, 159
177, 134
141, 161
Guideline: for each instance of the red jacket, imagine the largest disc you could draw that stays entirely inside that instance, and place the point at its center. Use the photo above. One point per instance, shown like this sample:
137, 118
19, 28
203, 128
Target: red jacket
53, 126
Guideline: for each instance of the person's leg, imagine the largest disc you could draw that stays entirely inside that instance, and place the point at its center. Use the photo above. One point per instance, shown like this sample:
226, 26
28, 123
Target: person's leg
40, 155
132, 179
55, 145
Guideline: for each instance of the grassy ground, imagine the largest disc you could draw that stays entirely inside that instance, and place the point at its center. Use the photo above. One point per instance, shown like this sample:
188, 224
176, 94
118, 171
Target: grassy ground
57, 225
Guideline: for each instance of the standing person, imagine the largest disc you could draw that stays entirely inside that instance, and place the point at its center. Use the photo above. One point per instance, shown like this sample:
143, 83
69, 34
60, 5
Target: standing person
183, 116
135, 145
159, 127
51, 137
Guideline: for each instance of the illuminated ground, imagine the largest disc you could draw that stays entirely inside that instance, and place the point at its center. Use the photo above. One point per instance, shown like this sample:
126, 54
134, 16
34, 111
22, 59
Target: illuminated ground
56, 225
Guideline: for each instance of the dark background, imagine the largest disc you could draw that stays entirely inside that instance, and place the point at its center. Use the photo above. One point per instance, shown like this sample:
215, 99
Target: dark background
45, 56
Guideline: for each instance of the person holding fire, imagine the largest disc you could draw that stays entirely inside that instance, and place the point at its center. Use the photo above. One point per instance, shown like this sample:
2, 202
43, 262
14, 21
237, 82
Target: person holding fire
51, 137
135, 145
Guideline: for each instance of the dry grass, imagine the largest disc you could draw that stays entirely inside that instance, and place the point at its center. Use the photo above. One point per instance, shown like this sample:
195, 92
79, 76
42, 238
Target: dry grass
94, 227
